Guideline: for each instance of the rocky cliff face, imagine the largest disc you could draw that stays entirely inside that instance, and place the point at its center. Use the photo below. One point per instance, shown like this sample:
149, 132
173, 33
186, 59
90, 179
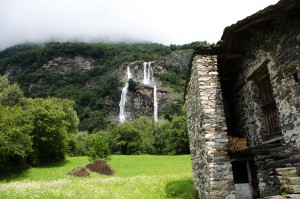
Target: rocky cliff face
58, 65
93, 84
63, 65
140, 101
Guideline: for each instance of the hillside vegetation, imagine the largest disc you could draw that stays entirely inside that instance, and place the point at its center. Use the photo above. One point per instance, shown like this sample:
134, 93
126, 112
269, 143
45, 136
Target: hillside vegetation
96, 88
49, 91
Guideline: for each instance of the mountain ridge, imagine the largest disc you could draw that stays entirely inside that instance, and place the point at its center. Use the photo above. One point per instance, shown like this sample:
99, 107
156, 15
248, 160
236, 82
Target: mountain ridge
92, 74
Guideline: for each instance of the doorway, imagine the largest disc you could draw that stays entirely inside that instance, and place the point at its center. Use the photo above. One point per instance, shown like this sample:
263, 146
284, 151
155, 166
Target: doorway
245, 179
268, 106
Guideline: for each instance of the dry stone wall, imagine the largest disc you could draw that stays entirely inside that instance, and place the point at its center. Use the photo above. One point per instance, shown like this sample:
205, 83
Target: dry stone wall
207, 130
279, 50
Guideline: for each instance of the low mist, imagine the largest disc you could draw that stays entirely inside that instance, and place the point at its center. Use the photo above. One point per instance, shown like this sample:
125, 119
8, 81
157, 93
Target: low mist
166, 22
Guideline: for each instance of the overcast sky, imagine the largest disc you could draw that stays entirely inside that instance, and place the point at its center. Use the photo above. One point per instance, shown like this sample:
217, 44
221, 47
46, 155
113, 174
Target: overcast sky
161, 21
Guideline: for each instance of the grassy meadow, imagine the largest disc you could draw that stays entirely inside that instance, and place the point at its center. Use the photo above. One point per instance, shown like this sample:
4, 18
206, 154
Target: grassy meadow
137, 176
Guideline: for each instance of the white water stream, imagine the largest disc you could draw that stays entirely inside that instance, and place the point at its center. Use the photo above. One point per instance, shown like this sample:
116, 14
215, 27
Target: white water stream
148, 80
155, 104
122, 115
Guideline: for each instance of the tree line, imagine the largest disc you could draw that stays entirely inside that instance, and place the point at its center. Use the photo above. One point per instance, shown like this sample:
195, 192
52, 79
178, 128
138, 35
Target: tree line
44, 126
92, 103
38, 131
33, 131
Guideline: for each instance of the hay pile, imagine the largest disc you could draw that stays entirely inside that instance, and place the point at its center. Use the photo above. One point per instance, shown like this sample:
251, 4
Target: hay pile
80, 172
235, 143
101, 167
98, 166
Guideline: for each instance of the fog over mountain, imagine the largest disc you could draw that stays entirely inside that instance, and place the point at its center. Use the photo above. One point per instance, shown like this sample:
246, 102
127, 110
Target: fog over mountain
166, 21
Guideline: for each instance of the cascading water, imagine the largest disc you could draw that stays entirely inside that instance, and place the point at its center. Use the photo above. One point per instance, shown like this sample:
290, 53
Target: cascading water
149, 80
149, 73
122, 115
145, 73
155, 103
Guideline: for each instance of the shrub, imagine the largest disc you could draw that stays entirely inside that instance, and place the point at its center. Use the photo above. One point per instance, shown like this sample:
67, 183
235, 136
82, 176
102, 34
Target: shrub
178, 140
126, 140
132, 84
51, 123
174, 108
15, 139
97, 147
10, 95
78, 144
144, 125
160, 137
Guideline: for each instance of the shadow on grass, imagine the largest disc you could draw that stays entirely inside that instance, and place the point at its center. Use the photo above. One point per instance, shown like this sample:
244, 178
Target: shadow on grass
54, 165
181, 189
27, 174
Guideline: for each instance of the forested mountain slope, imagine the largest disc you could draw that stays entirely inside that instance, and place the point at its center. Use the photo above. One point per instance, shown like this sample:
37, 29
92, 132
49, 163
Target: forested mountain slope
93, 74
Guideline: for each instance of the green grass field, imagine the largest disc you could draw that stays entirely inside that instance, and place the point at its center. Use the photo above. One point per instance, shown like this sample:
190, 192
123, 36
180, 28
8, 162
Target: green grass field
137, 176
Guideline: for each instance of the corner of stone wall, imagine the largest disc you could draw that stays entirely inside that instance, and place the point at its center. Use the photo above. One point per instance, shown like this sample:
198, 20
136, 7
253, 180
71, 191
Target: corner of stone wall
207, 130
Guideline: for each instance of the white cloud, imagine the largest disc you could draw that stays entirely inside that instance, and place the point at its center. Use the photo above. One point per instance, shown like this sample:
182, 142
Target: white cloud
163, 21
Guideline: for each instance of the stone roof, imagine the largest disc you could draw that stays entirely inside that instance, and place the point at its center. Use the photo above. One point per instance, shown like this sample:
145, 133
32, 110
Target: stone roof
264, 21
230, 48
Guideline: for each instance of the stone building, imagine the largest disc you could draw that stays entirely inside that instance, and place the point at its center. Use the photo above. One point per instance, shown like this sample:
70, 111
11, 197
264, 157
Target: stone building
243, 107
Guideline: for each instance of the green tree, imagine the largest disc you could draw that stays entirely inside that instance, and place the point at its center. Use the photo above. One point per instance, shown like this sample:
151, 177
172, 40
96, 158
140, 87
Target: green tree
144, 125
95, 121
132, 84
78, 144
10, 95
4, 83
174, 108
160, 137
126, 140
15, 139
98, 147
178, 140
50, 132
71, 118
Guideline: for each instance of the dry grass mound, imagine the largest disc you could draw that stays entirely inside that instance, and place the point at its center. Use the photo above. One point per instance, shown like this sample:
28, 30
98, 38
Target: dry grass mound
101, 167
80, 172
235, 143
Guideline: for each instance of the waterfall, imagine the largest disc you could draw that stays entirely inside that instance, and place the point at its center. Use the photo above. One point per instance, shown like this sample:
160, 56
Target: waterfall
122, 115
129, 75
149, 80
145, 73
155, 104
148, 73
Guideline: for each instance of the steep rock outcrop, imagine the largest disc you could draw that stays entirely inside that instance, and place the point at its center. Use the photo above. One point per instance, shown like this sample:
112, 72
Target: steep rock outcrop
64, 65
140, 101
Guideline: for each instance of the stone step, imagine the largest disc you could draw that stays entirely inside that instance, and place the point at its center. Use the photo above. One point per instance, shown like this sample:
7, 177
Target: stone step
287, 171
291, 189
289, 180
292, 196
295, 162
273, 197
278, 156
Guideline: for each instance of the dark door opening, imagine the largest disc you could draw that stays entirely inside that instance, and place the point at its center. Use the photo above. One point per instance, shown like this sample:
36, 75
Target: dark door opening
268, 107
245, 175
